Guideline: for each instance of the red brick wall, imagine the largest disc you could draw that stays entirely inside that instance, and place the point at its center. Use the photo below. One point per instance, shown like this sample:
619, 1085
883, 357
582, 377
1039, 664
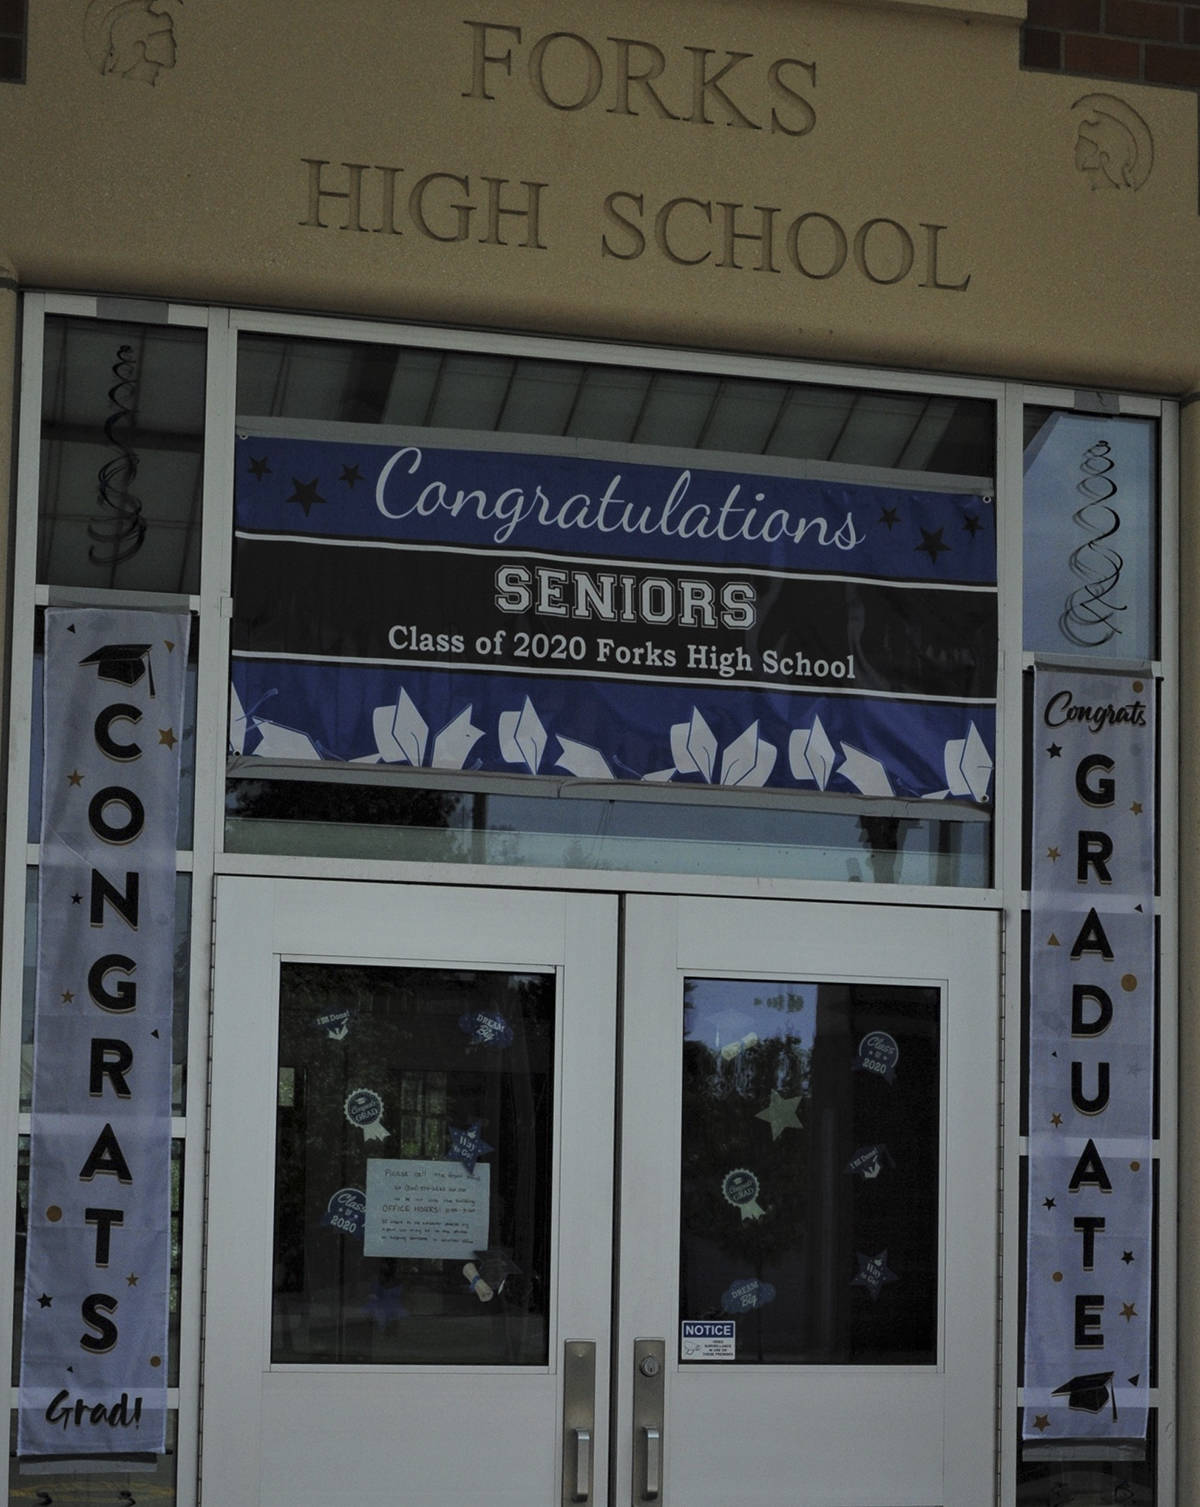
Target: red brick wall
1152, 41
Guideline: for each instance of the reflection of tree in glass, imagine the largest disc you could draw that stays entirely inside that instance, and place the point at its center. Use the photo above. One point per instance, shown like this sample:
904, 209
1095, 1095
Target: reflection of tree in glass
722, 1097
345, 801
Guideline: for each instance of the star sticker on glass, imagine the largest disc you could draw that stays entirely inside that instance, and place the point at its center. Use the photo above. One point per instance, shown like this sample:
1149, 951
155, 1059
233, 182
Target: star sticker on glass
873, 1273
259, 468
1056, 1119
306, 494
467, 1146
1128, 1311
167, 737
889, 517
780, 1114
350, 474
932, 543
75, 778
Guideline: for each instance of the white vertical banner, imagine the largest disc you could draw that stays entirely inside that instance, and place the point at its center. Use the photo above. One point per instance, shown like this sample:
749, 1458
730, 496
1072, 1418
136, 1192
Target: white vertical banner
97, 1279
1091, 1057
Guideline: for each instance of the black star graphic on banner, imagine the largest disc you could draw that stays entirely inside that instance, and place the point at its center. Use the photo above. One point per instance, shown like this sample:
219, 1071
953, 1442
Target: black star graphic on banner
971, 523
76, 899
350, 474
259, 468
1127, 1257
306, 494
1048, 1203
932, 543
890, 518
1055, 751
45, 1300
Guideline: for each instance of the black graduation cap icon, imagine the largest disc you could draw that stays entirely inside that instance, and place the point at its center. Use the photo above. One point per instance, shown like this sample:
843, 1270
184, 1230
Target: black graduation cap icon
124, 663
1089, 1393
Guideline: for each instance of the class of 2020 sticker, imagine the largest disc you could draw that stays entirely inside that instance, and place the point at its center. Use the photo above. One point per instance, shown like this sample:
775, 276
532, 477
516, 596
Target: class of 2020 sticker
878, 1053
346, 1211
364, 1108
740, 1188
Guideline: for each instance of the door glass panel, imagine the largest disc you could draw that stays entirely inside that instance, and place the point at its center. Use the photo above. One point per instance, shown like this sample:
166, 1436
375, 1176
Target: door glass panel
810, 1171
414, 1141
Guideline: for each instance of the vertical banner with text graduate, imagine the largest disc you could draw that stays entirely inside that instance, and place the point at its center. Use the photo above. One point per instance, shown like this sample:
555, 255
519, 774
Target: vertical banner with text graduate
97, 1276
1091, 1057
543, 606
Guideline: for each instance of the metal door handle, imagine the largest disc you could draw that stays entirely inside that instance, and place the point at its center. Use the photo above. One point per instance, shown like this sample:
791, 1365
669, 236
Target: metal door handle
652, 1484
583, 1465
649, 1402
579, 1421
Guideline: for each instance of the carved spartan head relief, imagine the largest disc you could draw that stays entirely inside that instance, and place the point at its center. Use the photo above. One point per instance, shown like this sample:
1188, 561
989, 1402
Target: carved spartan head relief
129, 39
1113, 145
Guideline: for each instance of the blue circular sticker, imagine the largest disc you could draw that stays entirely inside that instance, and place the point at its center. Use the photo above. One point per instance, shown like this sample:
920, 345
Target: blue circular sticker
346, 1211
740, 1188
364, 1108
878, 1054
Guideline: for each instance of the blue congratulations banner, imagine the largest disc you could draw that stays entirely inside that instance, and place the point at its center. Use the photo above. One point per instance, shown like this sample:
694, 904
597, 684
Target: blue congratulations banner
1092, 1029
576, 611
97, 1268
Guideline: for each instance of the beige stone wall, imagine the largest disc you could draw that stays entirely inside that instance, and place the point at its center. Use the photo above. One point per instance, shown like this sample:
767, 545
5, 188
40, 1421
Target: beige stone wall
929, 204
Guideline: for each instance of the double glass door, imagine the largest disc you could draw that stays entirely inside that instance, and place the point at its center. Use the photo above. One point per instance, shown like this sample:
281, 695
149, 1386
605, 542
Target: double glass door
534, 1197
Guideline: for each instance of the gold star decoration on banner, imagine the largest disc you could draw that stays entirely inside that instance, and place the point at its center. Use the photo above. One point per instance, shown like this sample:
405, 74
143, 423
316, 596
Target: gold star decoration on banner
131, 1280
1041, 1422
1136, 808
780, 1114
1128, 1311
1053, 854
68, 996
1056, 1119
75, 778
167, 737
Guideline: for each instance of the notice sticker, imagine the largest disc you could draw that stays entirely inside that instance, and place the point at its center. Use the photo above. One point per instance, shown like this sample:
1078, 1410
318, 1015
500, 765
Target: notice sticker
707, 1339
